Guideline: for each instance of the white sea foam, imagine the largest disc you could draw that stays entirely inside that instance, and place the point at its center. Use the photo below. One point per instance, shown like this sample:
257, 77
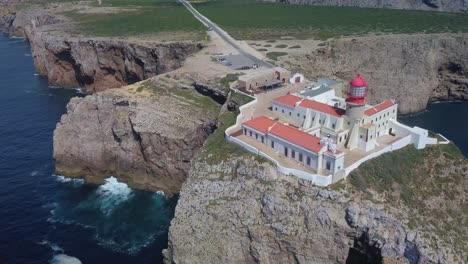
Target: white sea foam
34, 173
112, 193
61, 178
27, 54
36, 74
56, 248
64, 259
79, 90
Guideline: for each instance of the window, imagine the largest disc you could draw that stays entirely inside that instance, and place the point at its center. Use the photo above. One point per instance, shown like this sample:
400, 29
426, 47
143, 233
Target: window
345, 136
304, 116
372, 121
262, 139
282, 111
349, 123
328, 165
256, 136
298, 114
250, 132
360, 136
245, 131
272, 144
293, 154
313, 118
371, 136
333, 126
308, 161
289, 113
393, 110
276, 108
286, 151
339, 167
300, 157
340, 139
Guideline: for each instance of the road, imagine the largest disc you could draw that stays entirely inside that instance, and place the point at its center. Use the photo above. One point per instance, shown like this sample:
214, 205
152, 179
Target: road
225, 36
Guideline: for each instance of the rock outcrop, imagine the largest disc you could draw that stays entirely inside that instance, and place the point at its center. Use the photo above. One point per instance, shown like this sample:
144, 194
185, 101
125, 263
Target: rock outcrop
144, 140
243, 211
96, 64
413, 69
436, 5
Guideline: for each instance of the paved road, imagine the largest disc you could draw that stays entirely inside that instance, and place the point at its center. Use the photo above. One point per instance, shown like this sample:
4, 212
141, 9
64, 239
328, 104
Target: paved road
225, 36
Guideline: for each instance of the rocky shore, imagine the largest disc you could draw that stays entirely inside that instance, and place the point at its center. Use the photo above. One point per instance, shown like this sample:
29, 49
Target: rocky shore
95, 64
146, 140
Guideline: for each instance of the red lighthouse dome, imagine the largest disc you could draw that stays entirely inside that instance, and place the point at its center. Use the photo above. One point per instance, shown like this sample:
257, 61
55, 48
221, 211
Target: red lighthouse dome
358, 81
357, 91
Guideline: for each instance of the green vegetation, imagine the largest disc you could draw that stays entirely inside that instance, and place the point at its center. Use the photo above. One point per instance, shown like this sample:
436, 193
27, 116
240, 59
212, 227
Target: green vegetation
250, 19
295, 47
136, 17
228, 79
262, 49
187, 95
275, 54
216, 147
429, 183
281, 46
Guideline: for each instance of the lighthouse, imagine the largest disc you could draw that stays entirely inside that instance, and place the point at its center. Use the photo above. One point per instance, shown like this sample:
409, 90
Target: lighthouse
356, 98
355, 108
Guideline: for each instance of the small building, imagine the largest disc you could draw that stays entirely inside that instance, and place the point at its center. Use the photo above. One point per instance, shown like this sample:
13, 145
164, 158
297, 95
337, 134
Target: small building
295, 144
263, 79
297, 78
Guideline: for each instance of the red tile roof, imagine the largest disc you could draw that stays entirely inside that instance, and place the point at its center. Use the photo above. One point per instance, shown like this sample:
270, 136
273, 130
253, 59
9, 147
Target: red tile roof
297, 137
289, 100
380, 107
261, 123
321, 107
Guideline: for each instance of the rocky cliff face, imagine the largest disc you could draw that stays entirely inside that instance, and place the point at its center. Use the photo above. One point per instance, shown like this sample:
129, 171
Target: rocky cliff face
243, 211
144, 140
95, 64
98, 65
437, 5
413, 69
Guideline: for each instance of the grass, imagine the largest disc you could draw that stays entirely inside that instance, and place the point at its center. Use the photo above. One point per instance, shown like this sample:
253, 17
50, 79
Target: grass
275, 54
250, 19
295, 47
140, 17
216, 148
281, 46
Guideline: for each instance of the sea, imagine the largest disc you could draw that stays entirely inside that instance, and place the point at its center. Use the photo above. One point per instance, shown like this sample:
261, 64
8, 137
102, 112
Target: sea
47, 218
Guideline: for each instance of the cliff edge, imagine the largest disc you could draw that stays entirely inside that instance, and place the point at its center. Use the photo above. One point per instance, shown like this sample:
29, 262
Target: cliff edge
243, 211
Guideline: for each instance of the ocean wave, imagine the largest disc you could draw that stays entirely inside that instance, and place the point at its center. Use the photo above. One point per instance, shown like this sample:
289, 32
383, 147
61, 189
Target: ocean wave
64, 179
64, 259
113, 193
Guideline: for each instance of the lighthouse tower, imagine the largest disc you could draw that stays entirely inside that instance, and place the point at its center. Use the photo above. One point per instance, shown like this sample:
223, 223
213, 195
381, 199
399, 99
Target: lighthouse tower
356, 99
355, 107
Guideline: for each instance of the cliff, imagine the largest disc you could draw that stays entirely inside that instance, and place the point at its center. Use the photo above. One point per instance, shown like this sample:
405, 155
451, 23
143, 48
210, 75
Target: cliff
95, 64
413, 69
242, 211
144, 135
435, 5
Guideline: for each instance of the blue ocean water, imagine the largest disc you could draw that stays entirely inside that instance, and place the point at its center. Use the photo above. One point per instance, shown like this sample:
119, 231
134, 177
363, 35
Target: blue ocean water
446, 118
45, 218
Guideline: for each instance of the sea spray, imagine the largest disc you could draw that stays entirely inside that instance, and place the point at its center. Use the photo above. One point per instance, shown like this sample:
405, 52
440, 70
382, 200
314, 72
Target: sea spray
122, 219
112, 193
